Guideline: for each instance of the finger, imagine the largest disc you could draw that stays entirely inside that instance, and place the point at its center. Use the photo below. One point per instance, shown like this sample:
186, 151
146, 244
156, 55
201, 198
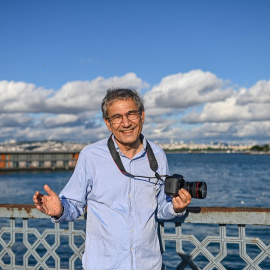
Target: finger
35, 199
48, 190
178, 202
187, 194
38, 200
185, 197
182, 197
178, 205
36, 194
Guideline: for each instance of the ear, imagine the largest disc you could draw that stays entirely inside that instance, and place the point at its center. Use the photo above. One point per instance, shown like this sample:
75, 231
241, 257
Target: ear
143, 116
107, 122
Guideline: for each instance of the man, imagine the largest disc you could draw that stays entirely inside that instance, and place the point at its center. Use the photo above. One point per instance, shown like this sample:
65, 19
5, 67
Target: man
122, 206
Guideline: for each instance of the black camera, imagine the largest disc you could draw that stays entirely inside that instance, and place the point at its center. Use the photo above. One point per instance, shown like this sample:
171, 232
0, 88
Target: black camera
197, 190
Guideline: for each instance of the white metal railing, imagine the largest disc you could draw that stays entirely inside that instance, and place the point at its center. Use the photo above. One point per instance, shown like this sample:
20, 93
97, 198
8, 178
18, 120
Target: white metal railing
26, 242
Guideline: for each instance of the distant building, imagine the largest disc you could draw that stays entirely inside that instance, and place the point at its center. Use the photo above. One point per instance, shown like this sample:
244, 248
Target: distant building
45, 160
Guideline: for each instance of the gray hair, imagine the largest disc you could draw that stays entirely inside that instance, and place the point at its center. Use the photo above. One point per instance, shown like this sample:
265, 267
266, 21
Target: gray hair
120, 94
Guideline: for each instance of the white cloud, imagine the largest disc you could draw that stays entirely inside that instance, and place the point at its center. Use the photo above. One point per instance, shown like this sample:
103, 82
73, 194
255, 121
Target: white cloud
73, 97
81, 96
189, 106
184, 90
68, 133
242, 131
15, 120
259, 94
71, 113
251, 104
22, 97
86, 120
253, 130
61, 120
161, 134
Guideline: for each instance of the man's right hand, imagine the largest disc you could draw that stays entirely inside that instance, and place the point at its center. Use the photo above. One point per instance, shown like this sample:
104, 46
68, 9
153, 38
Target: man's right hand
48, 204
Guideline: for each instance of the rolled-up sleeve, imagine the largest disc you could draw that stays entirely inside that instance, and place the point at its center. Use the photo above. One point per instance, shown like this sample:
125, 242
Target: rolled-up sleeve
74, 194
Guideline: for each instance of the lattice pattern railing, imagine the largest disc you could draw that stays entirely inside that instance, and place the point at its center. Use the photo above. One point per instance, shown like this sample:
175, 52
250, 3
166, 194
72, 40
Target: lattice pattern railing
223, 217
215, 262
40, 241
41, 249
25, 246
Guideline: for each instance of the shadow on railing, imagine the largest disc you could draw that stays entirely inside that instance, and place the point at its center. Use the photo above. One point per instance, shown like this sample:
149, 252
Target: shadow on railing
205, 238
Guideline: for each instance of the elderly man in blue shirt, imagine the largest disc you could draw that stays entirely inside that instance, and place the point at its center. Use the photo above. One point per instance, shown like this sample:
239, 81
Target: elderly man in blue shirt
122, 204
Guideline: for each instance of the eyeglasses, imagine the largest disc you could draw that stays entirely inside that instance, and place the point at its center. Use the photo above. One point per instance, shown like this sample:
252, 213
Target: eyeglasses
118, 118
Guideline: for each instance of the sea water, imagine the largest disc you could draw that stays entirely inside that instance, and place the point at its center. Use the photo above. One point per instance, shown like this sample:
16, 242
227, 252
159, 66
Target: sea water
233, 180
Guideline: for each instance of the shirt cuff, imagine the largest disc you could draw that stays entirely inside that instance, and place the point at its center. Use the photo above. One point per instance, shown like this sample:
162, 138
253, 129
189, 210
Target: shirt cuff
172, 212
55, 219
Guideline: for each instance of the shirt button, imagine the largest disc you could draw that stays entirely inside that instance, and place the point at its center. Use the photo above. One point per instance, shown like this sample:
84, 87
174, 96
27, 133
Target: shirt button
131, 249
130, 195
132, 231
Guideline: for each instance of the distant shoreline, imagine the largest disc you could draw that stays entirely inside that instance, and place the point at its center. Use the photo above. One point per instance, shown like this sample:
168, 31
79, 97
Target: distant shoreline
71, 167
178, 151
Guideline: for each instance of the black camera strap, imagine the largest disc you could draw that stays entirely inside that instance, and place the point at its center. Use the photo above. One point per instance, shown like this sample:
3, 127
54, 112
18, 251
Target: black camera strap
151, 158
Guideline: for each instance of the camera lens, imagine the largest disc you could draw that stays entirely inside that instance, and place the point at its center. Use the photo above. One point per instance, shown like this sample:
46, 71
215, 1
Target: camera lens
202, 190
197, 190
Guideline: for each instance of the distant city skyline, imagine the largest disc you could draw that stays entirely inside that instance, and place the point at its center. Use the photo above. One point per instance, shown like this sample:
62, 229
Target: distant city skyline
61, 146
201, 67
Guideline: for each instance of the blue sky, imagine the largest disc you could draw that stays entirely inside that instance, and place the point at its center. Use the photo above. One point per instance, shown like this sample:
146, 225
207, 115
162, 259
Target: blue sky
201, 66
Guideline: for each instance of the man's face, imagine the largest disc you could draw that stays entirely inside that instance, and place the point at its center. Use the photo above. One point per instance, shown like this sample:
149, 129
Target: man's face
126, 132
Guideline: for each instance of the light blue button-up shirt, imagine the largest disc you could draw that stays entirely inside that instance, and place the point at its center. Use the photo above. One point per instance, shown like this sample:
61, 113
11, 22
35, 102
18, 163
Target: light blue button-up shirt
121, 231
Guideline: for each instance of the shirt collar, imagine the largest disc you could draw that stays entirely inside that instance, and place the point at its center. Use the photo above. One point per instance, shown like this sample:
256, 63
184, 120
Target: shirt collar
137, 155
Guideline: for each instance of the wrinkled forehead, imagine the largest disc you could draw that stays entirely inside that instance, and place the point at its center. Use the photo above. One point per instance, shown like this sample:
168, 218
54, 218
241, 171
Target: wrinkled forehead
122, 106
116, 99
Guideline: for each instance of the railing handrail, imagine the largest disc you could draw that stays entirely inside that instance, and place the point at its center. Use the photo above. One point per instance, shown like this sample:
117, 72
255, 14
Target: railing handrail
213, 215
213, 247
22, 211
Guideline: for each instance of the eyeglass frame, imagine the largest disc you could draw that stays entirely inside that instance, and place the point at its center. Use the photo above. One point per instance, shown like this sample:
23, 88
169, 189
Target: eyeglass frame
138, 113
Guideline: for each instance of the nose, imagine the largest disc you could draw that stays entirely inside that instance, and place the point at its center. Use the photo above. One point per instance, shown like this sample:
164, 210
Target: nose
125, 122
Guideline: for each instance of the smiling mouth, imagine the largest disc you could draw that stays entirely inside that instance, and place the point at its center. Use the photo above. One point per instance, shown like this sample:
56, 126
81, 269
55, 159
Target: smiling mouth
127, 131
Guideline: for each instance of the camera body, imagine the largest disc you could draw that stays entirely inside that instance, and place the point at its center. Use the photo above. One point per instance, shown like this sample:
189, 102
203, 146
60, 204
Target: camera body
197, 190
